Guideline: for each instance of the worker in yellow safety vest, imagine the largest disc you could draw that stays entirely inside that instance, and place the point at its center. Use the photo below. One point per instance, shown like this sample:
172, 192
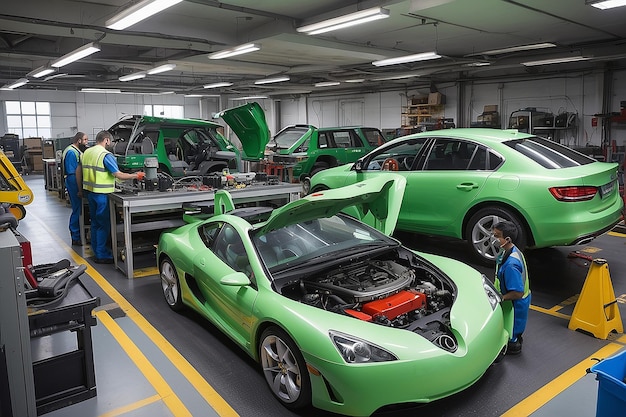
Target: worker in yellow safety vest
512, 280
100, 170
72, 177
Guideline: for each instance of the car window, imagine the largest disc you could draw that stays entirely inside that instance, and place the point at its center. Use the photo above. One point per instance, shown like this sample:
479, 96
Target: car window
287, 137
208, 232
229, 247
374, 137
403, 154
323, 141
549, 154
346, 139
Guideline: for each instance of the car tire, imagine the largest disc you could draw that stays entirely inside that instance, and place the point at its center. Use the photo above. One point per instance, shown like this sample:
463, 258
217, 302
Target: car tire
284, 369
170, 284
478, 233
318, 188
320, 166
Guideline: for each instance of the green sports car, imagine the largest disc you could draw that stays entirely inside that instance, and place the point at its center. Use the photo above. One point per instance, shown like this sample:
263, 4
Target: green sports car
462, 181
339, 315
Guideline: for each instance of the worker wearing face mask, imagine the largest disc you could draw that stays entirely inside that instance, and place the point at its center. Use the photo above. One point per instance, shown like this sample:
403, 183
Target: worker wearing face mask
512, 280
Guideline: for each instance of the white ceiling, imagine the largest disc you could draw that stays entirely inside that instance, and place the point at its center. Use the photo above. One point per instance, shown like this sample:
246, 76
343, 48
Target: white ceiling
34, 32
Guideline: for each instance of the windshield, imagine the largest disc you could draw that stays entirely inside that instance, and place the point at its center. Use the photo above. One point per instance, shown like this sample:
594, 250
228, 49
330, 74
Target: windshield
287, 137
549, 154
325, 239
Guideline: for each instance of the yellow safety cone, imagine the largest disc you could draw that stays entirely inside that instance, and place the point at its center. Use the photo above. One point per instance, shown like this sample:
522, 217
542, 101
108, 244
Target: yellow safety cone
596, 310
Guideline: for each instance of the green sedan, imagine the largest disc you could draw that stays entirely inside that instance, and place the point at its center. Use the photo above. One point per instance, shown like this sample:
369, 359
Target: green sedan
339, 315
462, 181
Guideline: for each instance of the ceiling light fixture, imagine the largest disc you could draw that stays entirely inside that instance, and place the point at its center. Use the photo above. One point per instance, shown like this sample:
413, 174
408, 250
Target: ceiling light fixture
16, 84
555, 61
354, 80
40, 72
101, 90
518, 48
395, 77
134, 76
606, 4
407, 58
218, 85
238, 50
345, 21
161, 68
326, 84
272, 80
77, 54
138, 12
249, 98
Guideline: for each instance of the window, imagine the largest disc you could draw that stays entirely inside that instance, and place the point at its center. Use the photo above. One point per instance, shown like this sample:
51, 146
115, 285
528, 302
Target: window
549, 154
29, 119
158, 110
402, 153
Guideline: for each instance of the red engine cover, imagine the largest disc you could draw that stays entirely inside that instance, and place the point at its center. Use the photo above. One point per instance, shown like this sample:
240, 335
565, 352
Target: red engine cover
395, 305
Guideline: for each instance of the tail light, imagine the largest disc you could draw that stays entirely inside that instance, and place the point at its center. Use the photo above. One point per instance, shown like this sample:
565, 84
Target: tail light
578, 193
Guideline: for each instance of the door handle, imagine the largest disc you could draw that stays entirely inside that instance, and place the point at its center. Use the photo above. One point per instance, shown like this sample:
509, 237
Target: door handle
467, 186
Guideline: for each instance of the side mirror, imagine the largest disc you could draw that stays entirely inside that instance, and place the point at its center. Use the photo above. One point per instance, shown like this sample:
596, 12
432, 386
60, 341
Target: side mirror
358, 165
236, 279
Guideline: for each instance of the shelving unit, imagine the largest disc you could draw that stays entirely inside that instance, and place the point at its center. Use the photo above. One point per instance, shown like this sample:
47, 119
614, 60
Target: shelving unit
543, 123
425, 113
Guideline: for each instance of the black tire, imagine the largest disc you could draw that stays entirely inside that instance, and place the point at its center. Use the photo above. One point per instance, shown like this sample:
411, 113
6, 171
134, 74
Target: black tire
284, 368
478, 233
318, 188
170, 284
319, 166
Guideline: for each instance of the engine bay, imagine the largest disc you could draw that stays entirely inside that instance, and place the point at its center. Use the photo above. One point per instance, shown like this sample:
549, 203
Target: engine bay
390, 291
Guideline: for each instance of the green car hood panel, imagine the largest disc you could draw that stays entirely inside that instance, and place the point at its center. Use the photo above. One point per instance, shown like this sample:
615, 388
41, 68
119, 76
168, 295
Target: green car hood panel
249, 124
364, 200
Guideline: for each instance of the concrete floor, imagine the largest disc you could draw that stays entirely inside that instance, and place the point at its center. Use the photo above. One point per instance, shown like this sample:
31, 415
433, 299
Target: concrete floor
151, 361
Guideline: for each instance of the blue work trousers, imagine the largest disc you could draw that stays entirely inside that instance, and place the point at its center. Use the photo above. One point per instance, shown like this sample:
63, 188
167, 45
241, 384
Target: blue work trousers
100, 224
77, 204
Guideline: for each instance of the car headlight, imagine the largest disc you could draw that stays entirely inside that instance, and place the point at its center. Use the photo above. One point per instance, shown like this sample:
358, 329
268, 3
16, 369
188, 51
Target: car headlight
492, 293
355, 350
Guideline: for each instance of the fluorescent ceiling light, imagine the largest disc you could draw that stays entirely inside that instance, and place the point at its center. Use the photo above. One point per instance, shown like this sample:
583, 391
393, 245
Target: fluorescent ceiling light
77, 54
395, 77
131, 77
407, 58
477, 64
607, 4
161, 68
354, 80
238, 50
166, 92
555, 61
40, 72
16, 84
218, 85
518, 48
272, 80
326, 84
138, 12
249, 98
345, 21
101, 90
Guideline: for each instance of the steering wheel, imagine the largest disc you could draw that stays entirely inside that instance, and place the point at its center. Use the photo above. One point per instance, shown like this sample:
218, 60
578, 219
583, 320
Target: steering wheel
390, 164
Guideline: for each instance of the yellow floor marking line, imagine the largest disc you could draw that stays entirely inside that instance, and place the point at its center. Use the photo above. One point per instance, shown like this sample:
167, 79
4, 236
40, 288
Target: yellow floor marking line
616, 234
184, 367
550, 312
145, 272
553, 388
153, 376
131, 407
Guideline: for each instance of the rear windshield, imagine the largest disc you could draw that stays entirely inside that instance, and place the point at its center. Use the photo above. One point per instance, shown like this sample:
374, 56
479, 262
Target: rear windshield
374, 137
288, 137
549, 154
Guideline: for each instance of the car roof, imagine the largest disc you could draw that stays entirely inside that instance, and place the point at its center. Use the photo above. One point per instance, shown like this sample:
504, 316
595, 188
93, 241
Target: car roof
485, 136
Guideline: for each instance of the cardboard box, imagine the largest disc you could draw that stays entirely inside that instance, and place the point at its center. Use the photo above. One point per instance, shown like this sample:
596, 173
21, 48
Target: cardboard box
48, 149
418, 100
32, 143
490, 108
436, 98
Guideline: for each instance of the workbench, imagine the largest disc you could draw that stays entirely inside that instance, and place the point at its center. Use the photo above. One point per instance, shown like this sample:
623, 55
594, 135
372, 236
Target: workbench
156, 210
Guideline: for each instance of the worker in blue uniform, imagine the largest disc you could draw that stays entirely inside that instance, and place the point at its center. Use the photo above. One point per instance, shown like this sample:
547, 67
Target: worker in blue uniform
512, 280
100, 170
72, 173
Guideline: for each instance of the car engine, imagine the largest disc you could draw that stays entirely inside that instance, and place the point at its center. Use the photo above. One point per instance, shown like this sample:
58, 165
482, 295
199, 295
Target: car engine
384, 292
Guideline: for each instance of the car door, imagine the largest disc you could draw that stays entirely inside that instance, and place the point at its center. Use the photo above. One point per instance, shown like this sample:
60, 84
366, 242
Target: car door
349, 146
231, 305
444, 183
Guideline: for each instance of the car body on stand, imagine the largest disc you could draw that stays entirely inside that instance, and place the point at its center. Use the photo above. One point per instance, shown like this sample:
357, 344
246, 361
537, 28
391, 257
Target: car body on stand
460, 182
339, 315
310, 149
190, 146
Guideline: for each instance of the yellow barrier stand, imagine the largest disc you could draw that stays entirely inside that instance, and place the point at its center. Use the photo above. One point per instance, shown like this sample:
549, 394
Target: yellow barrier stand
596, 310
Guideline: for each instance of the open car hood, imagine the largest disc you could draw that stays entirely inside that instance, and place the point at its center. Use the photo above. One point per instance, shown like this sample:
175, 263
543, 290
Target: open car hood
375, 202
249, 124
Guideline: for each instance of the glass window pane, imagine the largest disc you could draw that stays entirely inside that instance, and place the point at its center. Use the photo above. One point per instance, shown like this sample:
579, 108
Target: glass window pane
16, 131
44, 133
43, 107
147, 110
29, 121
158, 110
14, 121
28, 107
30, 132
13, 107
43, 121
